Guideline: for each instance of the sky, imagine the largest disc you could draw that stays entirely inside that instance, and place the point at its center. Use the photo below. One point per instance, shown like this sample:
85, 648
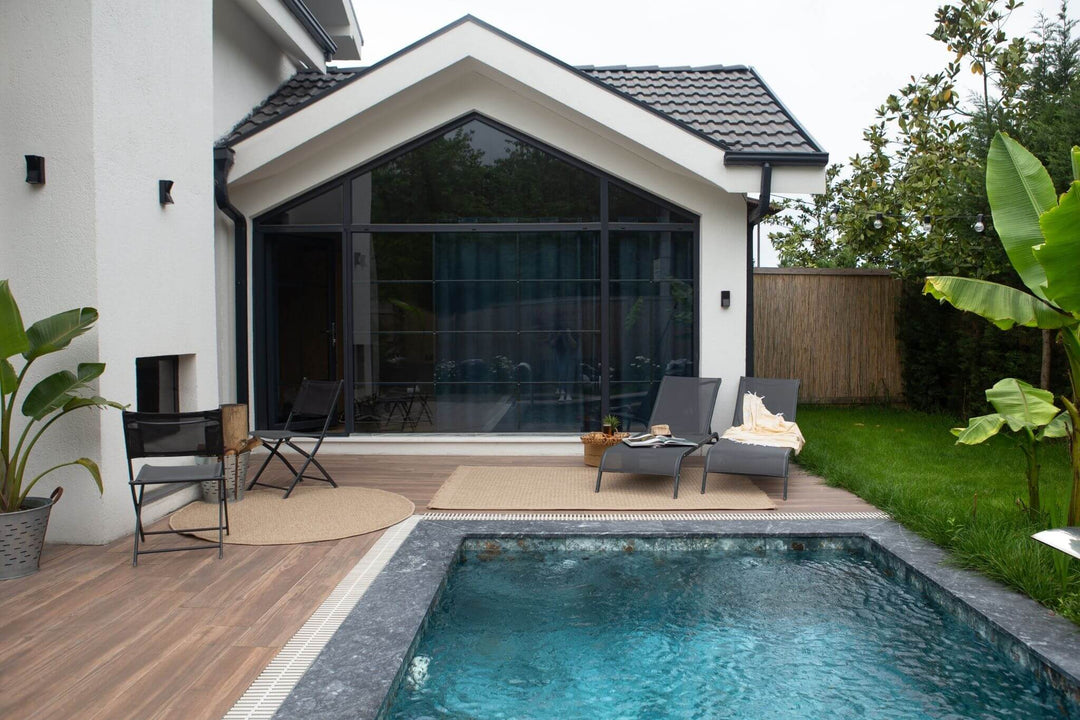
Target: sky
831, 62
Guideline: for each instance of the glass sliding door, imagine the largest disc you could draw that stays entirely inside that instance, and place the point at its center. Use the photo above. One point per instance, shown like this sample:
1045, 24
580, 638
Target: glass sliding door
475, 281
303, 302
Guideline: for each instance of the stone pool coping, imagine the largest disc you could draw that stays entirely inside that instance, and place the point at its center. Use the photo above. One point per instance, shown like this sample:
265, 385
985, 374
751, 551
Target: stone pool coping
359, 666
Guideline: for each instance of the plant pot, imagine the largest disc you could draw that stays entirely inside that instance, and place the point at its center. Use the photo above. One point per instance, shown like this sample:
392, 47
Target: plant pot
22, 535
608, 429
235, 480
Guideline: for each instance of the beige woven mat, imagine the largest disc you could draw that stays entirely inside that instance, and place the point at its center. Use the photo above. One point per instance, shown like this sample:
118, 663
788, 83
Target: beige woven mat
571, 488
310, 514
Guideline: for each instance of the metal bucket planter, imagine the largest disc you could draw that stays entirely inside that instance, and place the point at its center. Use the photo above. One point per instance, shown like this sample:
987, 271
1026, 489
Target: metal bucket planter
22, 535
235, 480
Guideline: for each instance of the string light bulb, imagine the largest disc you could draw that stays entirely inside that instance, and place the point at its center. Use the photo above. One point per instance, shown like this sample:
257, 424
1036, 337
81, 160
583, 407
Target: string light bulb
927, 224
879, 221
979, 225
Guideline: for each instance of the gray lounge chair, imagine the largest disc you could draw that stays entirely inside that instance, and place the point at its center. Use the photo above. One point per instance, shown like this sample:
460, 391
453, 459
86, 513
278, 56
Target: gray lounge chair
733, 458
685, 404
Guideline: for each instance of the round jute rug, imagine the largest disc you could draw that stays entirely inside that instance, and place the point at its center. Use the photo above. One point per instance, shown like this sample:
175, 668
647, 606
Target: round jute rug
310, 514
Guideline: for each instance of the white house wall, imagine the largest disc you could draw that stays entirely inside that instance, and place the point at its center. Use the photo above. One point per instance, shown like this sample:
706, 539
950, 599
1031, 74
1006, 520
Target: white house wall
153, 119
248, 65
47, 232
458, 92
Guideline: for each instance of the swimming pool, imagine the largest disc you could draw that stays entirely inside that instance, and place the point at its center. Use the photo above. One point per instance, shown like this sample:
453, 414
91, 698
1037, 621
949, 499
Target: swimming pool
683, 620
700, 628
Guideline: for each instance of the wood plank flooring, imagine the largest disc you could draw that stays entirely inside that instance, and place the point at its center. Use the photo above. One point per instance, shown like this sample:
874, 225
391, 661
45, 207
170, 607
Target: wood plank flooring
182, 636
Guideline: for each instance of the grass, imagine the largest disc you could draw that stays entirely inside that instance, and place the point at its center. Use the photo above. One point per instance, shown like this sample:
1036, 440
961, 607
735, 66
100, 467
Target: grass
963, 498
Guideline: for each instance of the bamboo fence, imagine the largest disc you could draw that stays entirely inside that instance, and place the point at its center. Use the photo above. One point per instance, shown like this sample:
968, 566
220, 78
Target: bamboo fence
834, 329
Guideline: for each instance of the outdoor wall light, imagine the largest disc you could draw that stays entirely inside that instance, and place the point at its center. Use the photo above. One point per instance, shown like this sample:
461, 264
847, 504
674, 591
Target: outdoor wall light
927, 223
35, 169
164, 191
725, 298
833, 215
979, 225
879, 221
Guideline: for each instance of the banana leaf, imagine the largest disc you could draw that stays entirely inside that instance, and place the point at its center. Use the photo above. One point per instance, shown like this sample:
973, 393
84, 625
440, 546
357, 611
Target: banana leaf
1022, 405
979, 429
51, 393
56, 332
1019, 190
13, 338
1059, 255
1000, 304
8, 378
1059, 427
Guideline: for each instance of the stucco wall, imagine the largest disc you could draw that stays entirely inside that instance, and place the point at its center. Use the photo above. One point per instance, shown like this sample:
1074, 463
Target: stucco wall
247, 65
47, 247
153, 119
95, 234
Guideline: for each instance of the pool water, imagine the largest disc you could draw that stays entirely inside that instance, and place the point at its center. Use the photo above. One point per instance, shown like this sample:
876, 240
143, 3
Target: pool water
699, 628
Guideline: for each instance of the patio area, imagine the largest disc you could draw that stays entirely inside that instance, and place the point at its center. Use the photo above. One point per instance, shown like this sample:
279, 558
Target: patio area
184, 635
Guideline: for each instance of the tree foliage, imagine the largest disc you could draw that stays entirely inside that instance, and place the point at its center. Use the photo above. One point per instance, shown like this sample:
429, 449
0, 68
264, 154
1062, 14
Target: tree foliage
921, 177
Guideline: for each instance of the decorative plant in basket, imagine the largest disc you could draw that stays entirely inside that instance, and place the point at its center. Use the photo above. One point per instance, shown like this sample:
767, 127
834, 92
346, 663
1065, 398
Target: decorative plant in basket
53, 397
610, 424
595, 443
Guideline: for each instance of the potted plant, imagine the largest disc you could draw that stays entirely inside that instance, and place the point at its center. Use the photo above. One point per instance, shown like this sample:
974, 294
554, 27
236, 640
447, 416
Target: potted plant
610, 424
23, 518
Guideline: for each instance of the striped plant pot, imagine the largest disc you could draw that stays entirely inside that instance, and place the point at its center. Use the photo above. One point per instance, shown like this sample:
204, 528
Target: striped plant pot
22, 535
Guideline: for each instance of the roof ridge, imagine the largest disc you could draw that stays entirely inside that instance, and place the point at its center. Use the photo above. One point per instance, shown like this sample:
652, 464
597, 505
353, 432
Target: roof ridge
661, 68
729, 106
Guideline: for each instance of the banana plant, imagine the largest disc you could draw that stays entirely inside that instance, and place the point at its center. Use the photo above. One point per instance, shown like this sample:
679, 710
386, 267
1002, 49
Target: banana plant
1041, 235
50, 399
1030, 413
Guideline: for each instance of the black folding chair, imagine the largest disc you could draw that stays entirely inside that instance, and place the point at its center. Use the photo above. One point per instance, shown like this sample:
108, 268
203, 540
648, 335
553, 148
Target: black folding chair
316, 400
780, 396
191, 434
685, 405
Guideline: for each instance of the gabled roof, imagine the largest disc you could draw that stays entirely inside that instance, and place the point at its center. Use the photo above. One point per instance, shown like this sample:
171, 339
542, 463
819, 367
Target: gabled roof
728, 106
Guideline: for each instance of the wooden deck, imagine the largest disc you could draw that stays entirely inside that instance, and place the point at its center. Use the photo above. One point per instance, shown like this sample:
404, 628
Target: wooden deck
184, 634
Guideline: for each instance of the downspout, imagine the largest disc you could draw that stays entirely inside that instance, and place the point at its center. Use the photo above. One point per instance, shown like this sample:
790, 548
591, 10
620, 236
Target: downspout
756, 216
223, 162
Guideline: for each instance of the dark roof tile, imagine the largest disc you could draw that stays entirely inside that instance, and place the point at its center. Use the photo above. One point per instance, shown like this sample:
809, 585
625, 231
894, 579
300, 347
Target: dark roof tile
729, 105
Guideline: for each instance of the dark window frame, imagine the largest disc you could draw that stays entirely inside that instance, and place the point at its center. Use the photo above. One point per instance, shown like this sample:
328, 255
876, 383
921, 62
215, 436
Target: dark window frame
260, 231
143, 366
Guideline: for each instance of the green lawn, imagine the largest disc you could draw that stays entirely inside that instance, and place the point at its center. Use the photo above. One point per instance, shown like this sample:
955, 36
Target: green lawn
960, 497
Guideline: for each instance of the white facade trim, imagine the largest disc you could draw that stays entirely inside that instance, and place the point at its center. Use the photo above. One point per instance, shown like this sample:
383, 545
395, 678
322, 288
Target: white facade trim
286, 31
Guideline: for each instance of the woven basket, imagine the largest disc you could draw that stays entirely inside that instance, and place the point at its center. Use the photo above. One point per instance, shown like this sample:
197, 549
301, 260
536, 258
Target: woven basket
596, 443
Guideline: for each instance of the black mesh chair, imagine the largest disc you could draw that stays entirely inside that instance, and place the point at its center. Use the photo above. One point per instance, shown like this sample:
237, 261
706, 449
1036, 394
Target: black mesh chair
316, 402
685, 405
157, 435
735, 458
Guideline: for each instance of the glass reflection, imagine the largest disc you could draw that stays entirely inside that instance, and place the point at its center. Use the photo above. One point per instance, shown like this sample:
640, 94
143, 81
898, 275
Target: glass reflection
476, 173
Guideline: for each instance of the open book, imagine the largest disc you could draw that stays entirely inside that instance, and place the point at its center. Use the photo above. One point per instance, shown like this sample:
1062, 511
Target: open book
657, 441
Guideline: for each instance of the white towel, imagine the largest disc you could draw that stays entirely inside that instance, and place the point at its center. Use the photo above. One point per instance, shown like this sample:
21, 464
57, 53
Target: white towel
761, 427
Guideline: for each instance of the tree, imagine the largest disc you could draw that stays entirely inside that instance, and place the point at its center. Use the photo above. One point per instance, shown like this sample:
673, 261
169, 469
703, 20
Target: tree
910, 201
1041, 235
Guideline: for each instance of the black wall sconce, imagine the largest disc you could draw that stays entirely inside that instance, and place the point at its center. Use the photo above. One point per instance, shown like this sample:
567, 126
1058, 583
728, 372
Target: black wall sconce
35, 169
164, 190
725, 298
